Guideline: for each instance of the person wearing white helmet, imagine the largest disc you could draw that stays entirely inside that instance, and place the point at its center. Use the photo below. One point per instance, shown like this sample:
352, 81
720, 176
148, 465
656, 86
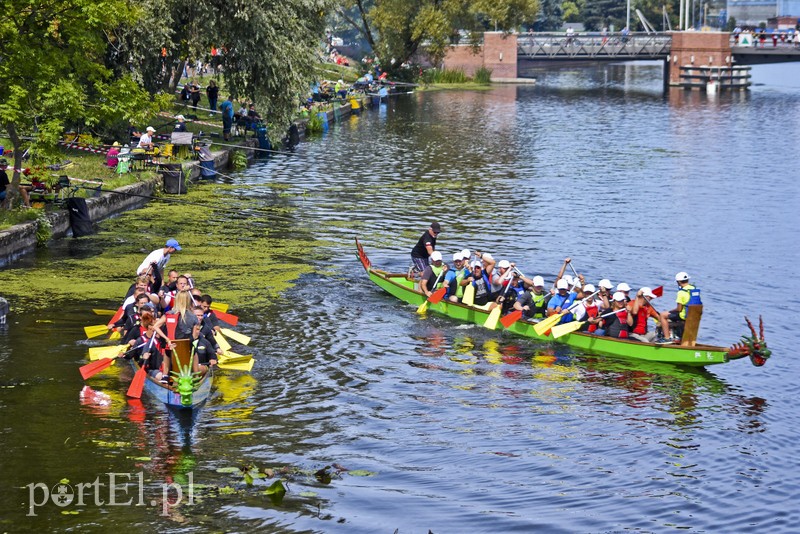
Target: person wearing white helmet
625, 289
588, 309
433, 274
641, 311
483, 287
604, 296
618, 323
502, 276
561, 301
688, 295
421, 253
455, 278
533, 302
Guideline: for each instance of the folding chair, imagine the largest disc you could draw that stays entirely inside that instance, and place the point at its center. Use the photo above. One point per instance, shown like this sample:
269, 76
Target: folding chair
183, 142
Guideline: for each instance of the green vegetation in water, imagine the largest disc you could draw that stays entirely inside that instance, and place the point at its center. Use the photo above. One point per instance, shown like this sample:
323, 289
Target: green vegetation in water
238, 160
314, 124
432, 76
483, 76
239, 249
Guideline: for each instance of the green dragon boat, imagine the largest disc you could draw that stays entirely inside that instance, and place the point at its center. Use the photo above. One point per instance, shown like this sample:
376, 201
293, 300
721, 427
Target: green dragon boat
685, 354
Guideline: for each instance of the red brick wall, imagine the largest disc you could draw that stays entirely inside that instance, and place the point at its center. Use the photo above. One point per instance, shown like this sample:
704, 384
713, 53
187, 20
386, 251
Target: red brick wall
699, 49
498, 53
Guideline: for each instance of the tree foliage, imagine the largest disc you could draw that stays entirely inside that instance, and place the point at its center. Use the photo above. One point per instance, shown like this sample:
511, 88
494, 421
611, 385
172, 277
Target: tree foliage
398, 29
52, 70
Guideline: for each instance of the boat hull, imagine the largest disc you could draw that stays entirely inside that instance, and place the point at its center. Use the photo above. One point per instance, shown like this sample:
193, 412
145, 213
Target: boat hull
172, 398
401, 287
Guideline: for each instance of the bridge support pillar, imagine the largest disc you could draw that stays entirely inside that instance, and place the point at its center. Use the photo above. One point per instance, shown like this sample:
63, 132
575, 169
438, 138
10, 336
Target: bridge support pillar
712, 49
498, 53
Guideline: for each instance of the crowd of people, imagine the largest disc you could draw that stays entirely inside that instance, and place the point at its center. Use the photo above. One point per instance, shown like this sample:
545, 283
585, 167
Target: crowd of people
604, 310
148, 301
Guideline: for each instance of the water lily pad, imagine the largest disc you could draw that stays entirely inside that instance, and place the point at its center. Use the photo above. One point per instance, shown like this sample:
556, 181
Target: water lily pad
111, 444
229, 470
227, 490
70, 512
140, 458
361, 473
64, 481
277, 487
308, 494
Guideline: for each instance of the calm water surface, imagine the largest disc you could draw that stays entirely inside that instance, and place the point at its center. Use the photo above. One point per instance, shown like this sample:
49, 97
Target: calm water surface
459, 429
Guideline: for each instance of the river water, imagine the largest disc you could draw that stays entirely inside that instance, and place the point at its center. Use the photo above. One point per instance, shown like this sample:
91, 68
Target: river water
431, 424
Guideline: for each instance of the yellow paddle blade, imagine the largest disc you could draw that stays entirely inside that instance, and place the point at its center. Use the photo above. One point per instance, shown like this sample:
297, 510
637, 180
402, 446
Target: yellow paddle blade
220, 306
469, 295
566, 328
98, 353
104, 312
236, 336
423, 307
96, 330
114, 335
222, 342
245, 366
546, 324
232, 357
494, 317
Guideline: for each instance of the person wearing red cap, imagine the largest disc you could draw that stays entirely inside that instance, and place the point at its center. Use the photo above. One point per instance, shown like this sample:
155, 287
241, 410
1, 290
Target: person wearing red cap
422, 251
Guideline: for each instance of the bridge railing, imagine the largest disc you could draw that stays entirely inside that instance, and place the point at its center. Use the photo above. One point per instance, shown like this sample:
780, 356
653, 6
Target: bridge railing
593, 45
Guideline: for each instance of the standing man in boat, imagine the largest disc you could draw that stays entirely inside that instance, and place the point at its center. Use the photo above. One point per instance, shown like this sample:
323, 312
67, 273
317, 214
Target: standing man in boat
422, 251
158, 259
688, 295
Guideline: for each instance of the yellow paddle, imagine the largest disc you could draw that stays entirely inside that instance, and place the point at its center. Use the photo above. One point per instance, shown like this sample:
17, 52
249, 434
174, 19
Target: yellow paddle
104, 312
469, 295
246, 366
232, 357
114, 336
96, 330
222, 342
219, 306
98, 353
494, 315
546, 324
236, 336
567, 328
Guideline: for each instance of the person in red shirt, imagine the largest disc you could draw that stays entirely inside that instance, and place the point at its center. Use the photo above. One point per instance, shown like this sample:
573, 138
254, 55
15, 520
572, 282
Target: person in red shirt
641, 310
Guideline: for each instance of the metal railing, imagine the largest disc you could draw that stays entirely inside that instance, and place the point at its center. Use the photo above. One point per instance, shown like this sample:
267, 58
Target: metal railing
593, 46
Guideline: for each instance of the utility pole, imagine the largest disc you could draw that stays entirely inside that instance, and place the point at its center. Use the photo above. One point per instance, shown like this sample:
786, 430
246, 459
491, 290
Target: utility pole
628, 17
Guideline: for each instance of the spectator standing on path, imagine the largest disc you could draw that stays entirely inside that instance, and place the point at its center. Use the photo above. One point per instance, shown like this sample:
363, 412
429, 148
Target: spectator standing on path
212, 92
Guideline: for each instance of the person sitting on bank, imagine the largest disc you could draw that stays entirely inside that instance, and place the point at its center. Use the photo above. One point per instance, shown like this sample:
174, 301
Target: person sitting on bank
146, 139
687, 295
5, 183
112, 156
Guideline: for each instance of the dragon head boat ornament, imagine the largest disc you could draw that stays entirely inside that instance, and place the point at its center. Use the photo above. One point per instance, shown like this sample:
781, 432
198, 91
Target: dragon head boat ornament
753, 346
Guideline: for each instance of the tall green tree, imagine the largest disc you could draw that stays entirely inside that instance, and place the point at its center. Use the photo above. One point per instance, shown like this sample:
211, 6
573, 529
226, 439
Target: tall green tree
52, 70
397, 29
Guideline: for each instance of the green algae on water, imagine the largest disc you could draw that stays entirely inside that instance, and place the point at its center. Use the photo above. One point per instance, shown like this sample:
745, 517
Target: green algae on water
243, 250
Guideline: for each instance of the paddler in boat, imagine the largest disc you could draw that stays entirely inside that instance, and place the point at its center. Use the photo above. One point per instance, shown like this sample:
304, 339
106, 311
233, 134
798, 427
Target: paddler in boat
158, 258
456, 278
588, 310
186, 318
208, 316
133, 327
141, 285
169, 283
150, 353
422, 251
617, 324
432, 273
561, 301
206, 348
687, 295
181, 284
604, 295
479, 279
132, 316
641, 311
533, 301
625, 289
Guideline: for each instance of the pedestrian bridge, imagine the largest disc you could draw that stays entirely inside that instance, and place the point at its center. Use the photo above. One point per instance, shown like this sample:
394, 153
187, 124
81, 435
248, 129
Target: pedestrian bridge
544, 48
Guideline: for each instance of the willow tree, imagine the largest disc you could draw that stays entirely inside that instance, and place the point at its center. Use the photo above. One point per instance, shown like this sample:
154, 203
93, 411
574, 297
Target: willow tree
52, 70
399, 29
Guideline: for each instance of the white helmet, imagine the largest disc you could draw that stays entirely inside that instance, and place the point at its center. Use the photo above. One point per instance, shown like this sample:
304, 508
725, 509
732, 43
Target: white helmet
562, 284
588, 288
538, 281
436, 256
622, 286
504, 264
458, 256
466, 254
606, 283
681, 277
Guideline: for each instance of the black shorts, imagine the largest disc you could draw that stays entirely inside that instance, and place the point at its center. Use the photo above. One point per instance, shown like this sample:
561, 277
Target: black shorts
674, 317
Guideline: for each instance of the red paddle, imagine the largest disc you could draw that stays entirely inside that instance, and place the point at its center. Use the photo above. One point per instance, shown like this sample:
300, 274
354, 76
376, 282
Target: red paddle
137, 384
227, 317
117, 316
437, 295
511, 318
91, 369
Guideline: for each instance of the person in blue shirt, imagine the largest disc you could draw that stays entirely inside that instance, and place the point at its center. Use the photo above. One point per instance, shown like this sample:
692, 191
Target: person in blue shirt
561, 301
455, 279
227, 117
